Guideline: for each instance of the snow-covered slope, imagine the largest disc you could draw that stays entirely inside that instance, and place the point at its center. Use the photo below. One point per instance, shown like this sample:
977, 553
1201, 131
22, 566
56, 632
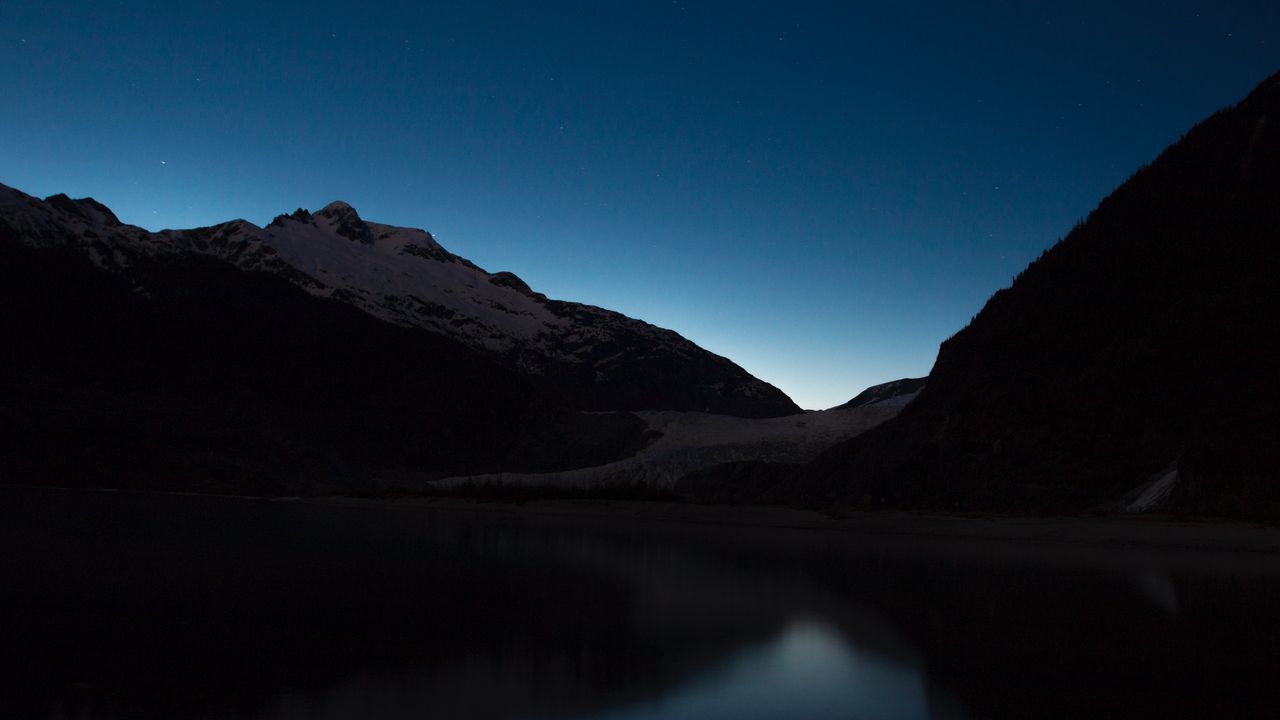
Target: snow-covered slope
401, 275
694, 441
595, 358
886, 391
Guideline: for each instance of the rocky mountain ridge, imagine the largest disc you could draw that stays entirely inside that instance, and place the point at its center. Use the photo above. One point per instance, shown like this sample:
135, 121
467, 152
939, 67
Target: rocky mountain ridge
595, 358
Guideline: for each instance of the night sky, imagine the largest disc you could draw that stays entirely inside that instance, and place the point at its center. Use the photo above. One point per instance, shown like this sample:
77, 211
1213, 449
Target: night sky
820, 191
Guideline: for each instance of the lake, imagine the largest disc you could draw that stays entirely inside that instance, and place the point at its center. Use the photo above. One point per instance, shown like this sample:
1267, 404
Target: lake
150, 606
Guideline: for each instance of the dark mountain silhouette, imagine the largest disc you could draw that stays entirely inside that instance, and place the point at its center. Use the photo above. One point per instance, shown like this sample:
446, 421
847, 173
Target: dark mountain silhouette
221, 380
1135, 364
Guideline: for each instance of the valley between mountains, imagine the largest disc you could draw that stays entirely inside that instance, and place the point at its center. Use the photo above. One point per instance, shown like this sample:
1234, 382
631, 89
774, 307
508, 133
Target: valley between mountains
1130, 368
327, 354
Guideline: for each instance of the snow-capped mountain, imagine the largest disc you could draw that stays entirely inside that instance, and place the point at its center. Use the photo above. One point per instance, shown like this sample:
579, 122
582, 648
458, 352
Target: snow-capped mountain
593, 358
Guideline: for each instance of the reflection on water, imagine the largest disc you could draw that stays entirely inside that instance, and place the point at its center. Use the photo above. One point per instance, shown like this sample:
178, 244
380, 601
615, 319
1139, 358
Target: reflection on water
119, 606
807, 672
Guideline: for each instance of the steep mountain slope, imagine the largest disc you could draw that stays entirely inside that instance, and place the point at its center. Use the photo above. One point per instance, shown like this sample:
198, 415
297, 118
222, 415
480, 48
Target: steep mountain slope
593, 358
1145, 343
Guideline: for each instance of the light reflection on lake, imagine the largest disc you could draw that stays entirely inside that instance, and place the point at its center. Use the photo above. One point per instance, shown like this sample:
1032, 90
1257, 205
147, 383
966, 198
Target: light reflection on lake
809, 672
129, 606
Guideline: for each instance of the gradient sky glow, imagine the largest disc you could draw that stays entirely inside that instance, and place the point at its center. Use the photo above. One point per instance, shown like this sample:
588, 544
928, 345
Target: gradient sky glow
820, 191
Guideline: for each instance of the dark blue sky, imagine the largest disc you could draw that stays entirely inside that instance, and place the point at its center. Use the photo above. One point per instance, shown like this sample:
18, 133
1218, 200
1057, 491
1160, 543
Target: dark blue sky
821, 191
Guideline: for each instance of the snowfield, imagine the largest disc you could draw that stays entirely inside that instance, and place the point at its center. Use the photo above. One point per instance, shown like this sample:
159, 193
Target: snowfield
694, 441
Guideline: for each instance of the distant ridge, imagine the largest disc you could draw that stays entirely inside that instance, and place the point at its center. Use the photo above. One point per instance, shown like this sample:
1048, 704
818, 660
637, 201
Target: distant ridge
884, 391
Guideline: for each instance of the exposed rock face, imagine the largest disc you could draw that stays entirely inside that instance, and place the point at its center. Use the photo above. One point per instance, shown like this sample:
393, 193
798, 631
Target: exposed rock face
1149, 336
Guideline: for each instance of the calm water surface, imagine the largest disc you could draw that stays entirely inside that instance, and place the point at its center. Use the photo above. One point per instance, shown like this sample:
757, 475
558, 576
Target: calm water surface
129, 606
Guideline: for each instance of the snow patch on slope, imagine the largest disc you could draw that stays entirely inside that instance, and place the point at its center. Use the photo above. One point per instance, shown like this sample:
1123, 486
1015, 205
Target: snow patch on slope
1153, 494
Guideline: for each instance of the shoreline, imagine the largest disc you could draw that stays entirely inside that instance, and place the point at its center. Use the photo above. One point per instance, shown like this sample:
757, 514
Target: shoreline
1125, 533
1120, 532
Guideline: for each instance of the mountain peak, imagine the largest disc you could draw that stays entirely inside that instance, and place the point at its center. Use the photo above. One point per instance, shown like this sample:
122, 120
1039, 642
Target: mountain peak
84, 208
347, 222
339, 207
